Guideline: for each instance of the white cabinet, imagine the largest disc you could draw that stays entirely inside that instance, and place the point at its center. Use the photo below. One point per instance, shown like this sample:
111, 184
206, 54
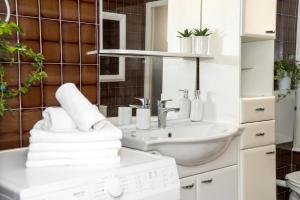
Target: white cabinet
258, 174
188, 188
213, 185
218, 184
259, 18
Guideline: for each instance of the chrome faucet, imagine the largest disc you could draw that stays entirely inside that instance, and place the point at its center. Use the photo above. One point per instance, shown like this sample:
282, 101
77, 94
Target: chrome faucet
163, 112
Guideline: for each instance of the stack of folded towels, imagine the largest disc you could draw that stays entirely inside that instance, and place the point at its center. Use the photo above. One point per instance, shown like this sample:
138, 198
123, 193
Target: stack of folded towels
74, 134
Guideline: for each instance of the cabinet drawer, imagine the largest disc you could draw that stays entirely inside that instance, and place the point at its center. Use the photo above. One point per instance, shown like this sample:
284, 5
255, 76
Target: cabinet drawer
258, 134
257, 109
218, 184
188, 188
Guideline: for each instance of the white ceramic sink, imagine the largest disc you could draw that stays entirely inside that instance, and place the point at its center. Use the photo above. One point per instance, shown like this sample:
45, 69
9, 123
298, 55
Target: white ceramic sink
190, 145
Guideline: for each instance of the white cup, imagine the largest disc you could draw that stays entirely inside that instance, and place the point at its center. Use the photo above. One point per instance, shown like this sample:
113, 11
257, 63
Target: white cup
124, 115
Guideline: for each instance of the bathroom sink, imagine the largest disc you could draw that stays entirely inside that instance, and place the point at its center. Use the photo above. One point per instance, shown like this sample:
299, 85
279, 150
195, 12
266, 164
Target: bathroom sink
190, 145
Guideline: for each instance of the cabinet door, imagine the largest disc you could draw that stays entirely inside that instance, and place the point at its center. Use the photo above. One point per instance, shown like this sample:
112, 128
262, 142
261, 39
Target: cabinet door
188, 188
259, 18
218, 184
257, 173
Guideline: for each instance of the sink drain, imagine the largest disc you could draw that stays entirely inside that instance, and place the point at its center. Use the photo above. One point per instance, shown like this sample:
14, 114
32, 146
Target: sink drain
169, 135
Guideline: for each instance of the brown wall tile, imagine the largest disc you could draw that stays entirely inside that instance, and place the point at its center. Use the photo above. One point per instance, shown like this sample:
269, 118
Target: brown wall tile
30, 26
69, 10
70, 53
88, 75
51, 52
49, 96
50, 8
87, 12
71, 74
88, 33
54, 75
28, 7
33, 98
70, 32
50, 30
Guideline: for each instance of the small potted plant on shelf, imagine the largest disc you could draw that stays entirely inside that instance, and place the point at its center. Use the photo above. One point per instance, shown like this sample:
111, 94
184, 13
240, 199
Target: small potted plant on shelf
287, 76
185, 41
8, 51
201, 41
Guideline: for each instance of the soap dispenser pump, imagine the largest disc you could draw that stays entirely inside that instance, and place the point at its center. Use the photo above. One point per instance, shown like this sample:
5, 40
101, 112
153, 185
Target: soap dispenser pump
184, 105
143, 114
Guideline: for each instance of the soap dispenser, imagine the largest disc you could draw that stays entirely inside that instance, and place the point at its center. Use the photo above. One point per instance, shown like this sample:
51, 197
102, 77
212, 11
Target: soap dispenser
143, 114
196, 107
184, 105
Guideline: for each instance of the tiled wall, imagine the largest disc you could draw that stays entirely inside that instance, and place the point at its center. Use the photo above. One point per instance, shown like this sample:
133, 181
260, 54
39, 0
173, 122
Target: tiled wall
63, 30
286, 29
116, 94
285, 47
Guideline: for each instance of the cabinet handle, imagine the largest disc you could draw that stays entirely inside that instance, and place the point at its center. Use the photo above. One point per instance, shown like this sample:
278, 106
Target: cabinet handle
270, 152
260, 109
260, 134
188, 186
207, 181
270, 31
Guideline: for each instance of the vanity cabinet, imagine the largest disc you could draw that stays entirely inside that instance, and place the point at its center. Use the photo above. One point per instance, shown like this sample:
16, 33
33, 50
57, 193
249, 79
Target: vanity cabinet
213, 185
188, 188
259, 18
218, 184
258, 179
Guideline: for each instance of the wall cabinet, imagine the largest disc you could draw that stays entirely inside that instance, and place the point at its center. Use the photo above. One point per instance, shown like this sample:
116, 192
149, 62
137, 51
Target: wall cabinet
258, 174
259, 18
213, 185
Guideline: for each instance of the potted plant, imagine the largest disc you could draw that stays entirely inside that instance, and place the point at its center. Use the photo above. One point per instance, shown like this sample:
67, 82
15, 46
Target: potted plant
201, 41
185, 41
283, 71
288, 76
8, 51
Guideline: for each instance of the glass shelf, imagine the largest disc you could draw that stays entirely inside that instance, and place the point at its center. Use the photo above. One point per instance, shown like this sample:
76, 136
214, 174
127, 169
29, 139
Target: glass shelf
143, 54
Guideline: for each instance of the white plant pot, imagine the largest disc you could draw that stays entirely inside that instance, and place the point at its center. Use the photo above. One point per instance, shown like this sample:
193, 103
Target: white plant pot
284, 83
186, 45
201, 45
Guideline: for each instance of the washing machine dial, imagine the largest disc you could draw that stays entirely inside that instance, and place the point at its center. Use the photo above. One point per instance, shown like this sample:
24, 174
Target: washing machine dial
114, 187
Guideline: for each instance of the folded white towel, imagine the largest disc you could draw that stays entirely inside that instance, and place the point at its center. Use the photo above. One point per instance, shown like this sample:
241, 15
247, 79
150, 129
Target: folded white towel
56, 119
105, 163
108, 133
78, 107
74, 147
103, 154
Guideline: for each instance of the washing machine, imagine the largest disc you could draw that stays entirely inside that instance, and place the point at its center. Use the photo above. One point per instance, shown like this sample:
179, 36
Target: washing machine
140, 176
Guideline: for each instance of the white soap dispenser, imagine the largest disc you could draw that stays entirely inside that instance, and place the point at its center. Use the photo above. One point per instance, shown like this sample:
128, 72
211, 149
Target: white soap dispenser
196, 108
143, 114
184, 105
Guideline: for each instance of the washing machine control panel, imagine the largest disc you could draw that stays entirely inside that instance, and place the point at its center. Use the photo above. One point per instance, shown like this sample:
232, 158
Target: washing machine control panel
154, 180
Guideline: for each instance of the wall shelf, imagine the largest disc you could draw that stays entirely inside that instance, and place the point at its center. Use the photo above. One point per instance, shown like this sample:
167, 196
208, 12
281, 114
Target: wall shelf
143, 54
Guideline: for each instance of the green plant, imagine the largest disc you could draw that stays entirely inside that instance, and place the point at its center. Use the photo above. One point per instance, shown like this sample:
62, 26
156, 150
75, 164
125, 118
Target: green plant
285, 68
200, 32
185, 34
8, 51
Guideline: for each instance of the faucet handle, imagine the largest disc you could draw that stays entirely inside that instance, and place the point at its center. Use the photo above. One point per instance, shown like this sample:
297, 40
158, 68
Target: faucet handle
162, 103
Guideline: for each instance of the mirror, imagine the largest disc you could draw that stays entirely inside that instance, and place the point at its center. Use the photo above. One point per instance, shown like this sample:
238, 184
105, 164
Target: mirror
113, 36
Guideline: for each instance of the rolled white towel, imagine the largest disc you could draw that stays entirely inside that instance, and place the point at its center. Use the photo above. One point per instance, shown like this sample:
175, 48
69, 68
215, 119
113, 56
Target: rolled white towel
108, 133
73, 155
105, 163
56, 119
78, 107
74, 147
